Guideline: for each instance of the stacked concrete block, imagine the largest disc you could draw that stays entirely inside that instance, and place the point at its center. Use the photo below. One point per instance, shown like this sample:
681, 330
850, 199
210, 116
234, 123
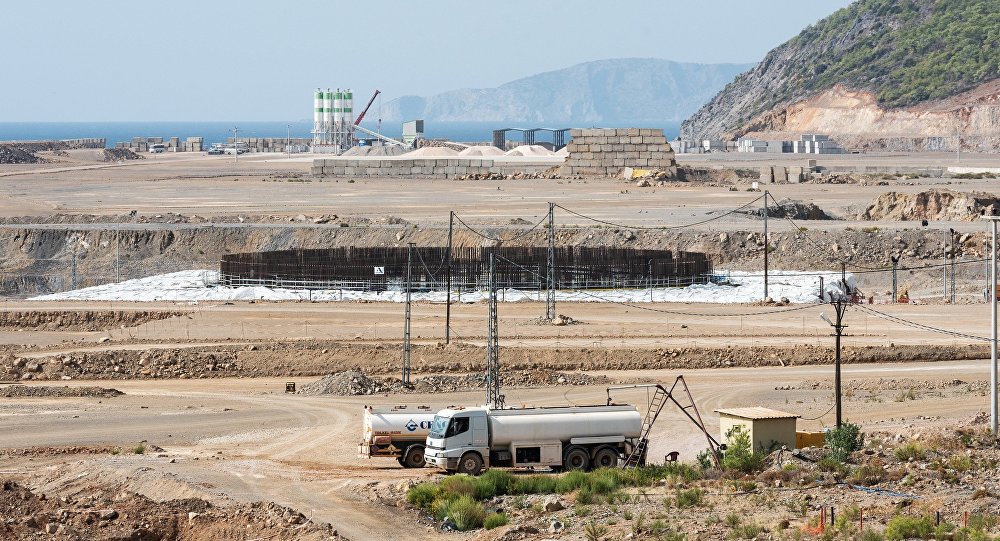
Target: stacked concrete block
605, 152
446, 168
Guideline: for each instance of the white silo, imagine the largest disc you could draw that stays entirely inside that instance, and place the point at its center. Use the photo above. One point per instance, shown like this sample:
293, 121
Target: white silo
318, 128
349, 108
327, 114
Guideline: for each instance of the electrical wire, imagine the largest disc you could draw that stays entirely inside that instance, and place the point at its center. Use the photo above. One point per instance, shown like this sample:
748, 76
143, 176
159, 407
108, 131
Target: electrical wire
921, 326
501, 239
662, 311
660, 228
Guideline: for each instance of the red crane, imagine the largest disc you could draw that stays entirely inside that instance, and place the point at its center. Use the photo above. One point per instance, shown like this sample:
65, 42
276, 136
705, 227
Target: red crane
367, 107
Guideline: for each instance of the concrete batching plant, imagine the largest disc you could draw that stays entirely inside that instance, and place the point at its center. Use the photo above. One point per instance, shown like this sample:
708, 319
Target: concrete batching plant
333, 120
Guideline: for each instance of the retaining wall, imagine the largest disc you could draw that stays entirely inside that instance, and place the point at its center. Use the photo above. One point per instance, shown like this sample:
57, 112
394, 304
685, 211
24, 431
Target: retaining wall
447, 168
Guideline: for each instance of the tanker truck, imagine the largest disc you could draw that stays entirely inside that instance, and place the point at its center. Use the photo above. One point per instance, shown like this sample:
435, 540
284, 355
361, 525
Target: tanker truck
396, 432
469, 439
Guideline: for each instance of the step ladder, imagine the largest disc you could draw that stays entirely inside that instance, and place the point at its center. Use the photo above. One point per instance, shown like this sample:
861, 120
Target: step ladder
659, 398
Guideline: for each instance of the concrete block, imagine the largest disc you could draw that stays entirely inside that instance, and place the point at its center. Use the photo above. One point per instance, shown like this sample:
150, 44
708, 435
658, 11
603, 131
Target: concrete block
633, 132
575, 132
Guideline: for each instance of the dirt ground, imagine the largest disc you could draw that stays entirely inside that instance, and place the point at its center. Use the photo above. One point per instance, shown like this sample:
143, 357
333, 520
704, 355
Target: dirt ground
203, 383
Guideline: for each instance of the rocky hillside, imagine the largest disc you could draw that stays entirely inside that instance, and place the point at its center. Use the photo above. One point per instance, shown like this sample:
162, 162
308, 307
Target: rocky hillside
606, 91
907, 58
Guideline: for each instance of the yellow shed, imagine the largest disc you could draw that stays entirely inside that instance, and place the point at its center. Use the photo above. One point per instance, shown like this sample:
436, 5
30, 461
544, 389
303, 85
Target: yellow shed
768, 428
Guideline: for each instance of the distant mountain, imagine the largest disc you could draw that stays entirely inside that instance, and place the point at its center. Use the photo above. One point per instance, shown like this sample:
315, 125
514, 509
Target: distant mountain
875, 67
617, 91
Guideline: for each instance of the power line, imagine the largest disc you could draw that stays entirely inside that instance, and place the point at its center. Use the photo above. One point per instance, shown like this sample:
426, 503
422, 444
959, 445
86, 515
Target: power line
660, 228
500, 239
673, 312
915, 325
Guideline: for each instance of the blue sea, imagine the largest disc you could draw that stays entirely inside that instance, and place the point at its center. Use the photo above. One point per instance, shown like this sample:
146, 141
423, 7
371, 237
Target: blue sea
215, 132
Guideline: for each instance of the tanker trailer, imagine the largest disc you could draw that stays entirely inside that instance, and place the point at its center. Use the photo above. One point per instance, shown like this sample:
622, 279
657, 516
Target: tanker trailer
467, 440
396, 432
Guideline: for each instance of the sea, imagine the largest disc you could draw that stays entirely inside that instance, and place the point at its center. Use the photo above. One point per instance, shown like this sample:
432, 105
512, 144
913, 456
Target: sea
215, 132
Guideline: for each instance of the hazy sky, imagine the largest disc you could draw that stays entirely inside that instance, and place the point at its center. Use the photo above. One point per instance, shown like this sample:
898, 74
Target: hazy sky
104, 60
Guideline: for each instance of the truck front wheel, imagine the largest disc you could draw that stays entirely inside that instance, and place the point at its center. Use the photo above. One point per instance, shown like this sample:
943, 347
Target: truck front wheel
471, 464
576, 459
414, 457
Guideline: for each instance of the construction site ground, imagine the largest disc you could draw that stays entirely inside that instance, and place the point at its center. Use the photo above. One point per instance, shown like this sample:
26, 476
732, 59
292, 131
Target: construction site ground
204, 382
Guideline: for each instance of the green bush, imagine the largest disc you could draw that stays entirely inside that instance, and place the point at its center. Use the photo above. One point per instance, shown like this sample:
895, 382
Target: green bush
904, 527
467, 513
495, 520
845, 440
740, 455
691, 497
422, 495
909, 451
867, 475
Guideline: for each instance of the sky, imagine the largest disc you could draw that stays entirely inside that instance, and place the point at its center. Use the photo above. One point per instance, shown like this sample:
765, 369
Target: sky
105, 60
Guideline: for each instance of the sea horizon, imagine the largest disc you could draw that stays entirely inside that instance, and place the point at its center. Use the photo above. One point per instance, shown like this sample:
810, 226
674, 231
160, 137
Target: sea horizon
219, 131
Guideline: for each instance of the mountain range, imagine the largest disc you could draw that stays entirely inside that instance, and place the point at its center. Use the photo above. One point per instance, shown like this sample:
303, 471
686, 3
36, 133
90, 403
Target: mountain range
615, 91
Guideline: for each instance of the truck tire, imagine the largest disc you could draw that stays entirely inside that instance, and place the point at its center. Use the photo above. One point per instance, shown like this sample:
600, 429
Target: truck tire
606, 457
576, 458
414, 457
470, 463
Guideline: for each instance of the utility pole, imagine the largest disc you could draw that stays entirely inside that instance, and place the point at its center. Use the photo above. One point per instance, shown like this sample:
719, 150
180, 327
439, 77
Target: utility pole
288, 140
895, 262
550, 295
944, 267
839, 306
406, 324
447, 308
236, 146
766, 243
953, 266
73, 269
493, 397
991, 289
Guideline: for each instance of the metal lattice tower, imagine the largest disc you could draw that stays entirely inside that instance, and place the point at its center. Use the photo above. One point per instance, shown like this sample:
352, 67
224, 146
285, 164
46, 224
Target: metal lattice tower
493, 397
550, 293
406, 324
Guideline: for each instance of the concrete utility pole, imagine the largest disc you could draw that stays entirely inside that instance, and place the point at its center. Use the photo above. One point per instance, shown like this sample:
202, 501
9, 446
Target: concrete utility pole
952, 266
406, 323
895, 262
447, 304
288, 140
493, 397
839, 306
991, 289
944, 267
766, 243
550, 295
236, 146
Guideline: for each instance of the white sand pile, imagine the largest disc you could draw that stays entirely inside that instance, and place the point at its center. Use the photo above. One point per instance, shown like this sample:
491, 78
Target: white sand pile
432, 152
535, 151
387, 150
357, 151
564, 151
481, 151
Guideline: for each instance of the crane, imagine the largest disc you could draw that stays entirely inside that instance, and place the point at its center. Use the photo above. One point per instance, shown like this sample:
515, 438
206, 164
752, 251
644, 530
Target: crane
367, 107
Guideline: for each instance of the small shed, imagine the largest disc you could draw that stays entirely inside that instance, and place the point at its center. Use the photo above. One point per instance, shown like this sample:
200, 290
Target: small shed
768, 428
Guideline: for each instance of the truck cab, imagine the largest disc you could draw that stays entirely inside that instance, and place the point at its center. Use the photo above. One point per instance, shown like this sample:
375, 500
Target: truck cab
459, 440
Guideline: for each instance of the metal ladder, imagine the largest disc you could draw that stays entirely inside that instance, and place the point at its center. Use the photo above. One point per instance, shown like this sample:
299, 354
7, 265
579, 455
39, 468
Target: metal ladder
660, 396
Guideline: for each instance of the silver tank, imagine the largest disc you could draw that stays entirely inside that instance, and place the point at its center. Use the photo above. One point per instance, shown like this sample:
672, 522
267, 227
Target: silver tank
401, 423
563, 424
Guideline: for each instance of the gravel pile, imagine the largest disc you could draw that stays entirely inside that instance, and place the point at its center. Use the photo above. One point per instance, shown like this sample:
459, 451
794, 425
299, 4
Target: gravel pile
120, 154
43, 391
10, 154
355, 382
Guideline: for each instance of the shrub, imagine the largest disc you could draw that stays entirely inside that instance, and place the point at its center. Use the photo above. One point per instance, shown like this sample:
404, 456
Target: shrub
832, 465
139, 449
495, 520
845, 440
740, 455
570, 482
459, 485
585, 496
422, 495
867, 475
750, 530
467, 513
594, 531
903, 527
690, 498
911, 450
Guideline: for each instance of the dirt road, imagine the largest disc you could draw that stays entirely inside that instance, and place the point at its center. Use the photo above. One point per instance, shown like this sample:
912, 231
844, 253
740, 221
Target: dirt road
249, 441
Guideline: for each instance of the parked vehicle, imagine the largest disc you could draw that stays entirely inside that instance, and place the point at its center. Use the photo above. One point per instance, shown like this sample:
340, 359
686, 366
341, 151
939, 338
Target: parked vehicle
157, 148
398, 432
216, 150
468, 440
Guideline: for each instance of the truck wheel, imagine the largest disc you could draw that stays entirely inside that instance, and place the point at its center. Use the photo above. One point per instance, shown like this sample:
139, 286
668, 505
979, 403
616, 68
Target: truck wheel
401, 462
470, 464
414, 457
605, 457
576, 459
